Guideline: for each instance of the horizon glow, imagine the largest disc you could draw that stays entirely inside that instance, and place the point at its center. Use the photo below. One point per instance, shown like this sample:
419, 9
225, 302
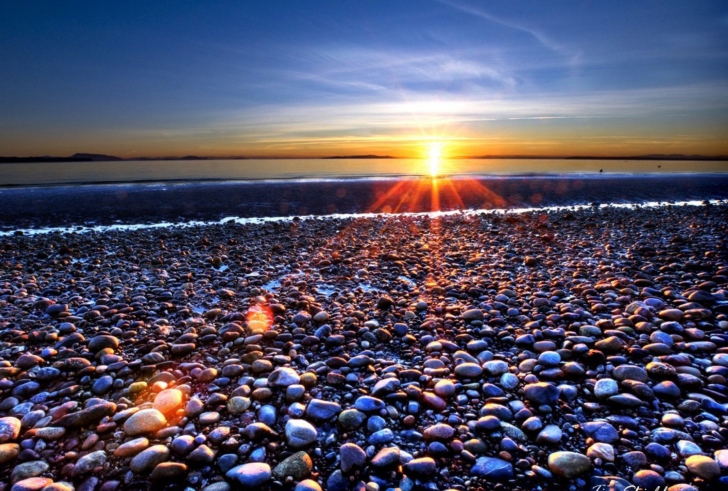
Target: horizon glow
327, 78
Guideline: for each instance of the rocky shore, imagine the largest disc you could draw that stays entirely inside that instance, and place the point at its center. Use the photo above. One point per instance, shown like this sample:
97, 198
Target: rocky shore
543, 351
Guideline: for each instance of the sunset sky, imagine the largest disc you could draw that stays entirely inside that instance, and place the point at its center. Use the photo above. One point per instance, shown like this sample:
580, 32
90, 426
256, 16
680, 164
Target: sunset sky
320, 78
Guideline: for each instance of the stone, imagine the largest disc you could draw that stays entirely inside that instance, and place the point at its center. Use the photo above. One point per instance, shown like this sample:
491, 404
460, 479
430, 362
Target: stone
9, 429
368, 404
703, 466
98, 343
386, 458
492, 468
495, 368
420, 468
605, 388
630, 372
550, 434
89, 462
648, 479
28, 469
300, 433
131, 448
541, 393
144, 422
322, 410
8, 452
351, 419
602, 451
168, 471
168, 401
250, 476
148, 459
283, 377
299, 465
307, 485
468, 370
352, 456
568, 464
32, 484
600, 431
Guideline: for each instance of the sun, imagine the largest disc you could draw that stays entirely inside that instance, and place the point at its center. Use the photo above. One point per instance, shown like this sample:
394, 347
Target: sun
434, 154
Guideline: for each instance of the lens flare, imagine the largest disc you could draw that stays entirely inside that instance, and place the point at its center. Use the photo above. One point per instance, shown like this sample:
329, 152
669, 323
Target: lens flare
434, 154
260, 319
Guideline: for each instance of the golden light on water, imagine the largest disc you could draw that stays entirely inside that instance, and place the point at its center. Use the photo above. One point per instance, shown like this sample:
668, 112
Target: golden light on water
434, 155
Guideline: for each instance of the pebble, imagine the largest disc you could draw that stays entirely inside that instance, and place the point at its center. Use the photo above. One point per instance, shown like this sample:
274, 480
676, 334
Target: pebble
300, 433
144, 422
568, 464
250, 476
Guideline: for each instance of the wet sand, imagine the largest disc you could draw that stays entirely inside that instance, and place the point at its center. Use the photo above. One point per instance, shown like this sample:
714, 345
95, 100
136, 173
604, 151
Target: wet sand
559, 350
177, 202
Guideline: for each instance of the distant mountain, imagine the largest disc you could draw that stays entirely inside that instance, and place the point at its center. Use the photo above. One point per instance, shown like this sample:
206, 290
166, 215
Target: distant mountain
360, 157
94, 157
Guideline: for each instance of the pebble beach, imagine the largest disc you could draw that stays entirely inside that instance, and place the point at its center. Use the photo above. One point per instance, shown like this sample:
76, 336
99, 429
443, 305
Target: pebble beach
549, 350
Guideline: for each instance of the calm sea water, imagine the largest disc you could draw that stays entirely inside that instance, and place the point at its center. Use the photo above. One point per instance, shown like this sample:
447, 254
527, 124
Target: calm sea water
32, 174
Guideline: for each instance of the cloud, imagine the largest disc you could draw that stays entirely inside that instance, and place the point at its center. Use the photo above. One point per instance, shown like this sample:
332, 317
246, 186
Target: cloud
573, 56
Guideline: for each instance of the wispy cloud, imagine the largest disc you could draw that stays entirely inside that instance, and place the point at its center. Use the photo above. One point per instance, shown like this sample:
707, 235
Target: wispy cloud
572, 55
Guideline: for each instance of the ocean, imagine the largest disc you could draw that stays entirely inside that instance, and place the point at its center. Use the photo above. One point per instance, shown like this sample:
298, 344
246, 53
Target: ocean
58, 173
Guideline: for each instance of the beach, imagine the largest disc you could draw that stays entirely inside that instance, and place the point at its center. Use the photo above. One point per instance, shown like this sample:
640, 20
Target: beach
554, 349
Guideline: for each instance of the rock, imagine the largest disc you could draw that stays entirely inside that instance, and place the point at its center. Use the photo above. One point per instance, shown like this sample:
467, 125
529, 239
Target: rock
300, 433
492, 468
386, 458
322, 410
630, 372
439, 431
283, 377
703, 466
8, 452
352, 456
468, 370
32, 484
648, 479
368, 404
472, 315
250, 476
9, 429
89, 462
299, 465
131, 448
168, 471
28, 469
602, 451
307, 485
148, 459
550, 434
495, 368
98, 343
168, 401
351, 419
144, 422
605, 387
420, 468
600, 431
568, 464
541, 393
87, 416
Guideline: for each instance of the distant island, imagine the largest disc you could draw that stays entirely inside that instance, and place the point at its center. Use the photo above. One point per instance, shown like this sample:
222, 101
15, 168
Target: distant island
97, 157
370, 156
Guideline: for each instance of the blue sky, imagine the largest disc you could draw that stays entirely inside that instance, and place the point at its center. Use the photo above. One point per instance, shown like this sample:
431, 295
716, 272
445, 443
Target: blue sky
323, 78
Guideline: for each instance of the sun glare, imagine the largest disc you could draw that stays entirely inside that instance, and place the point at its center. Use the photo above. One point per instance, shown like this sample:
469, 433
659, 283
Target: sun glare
434, 154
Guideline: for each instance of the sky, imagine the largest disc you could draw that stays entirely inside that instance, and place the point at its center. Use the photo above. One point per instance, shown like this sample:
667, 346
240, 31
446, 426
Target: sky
323, 78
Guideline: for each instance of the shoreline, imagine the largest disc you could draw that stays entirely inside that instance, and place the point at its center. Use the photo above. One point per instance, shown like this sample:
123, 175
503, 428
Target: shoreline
79, 229
40, 207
